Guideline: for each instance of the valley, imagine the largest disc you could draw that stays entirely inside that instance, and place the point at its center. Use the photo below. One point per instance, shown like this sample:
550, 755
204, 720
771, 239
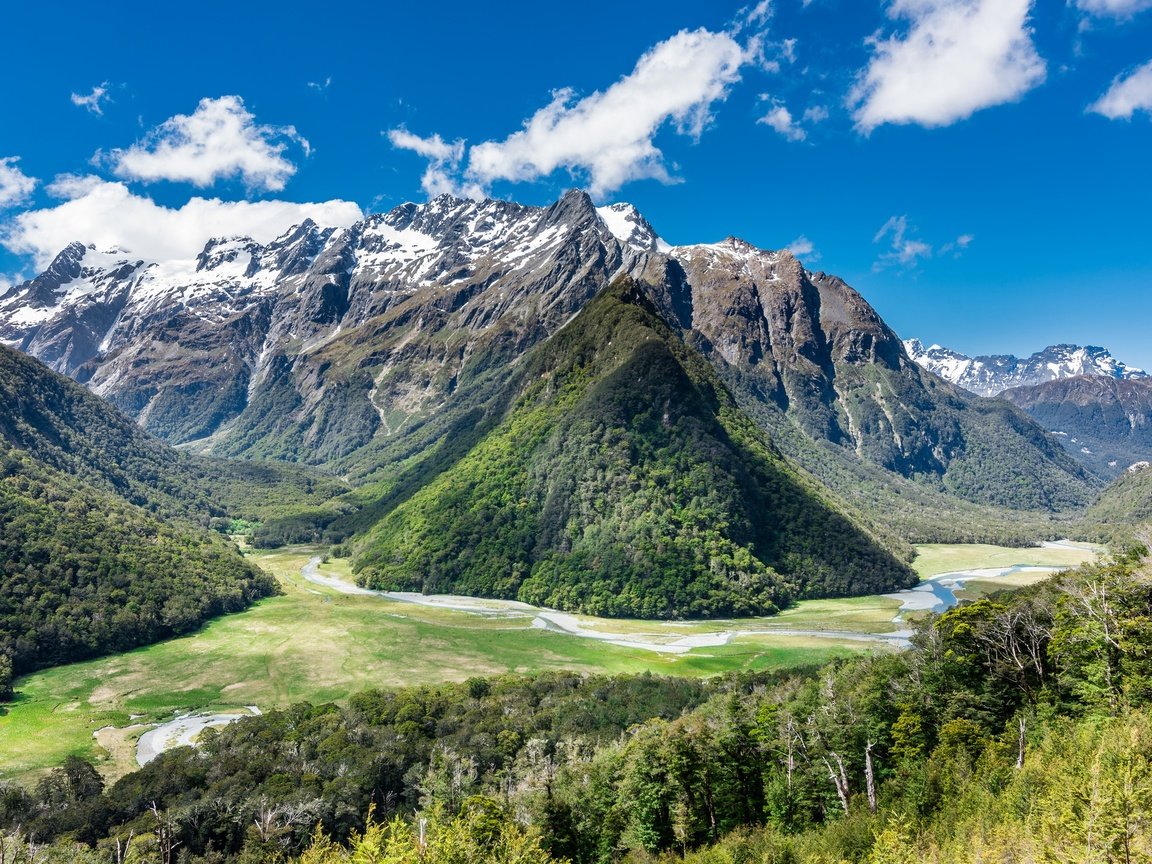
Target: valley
432, 436
320, 643
512, 480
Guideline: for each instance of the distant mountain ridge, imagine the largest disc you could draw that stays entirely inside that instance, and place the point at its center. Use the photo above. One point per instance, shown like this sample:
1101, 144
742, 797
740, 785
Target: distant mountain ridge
1104, 422
990, 375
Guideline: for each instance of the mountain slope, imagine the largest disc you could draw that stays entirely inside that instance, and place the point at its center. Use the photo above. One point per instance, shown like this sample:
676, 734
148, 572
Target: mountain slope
1105, 423
99, 546
624, 481
992, 374
372, 350
1122, 509
807, 349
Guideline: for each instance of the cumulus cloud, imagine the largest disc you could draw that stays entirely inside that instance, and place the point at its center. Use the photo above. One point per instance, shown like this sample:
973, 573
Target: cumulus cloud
1113, 8
905, 250
219, 140
957, 57
608, 136
440, 177
803, 248
780, 119
15, 185
93, 102
108, 214
1127, 95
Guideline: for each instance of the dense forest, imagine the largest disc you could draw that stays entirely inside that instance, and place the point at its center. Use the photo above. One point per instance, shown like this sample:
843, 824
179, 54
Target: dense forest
624, 481
104, 540
1017, 728
84, 572
1125, 505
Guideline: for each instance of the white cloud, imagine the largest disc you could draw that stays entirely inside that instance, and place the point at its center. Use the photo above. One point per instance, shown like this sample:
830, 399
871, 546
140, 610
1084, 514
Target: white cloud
444, 158
219, 140
780, 119
804, 248
607, 136
321, 87
958, 57
15, 185
1113, 8
905, 251
756, 16
93, 100
1127, 95
433, 147
815, 114
957, 247
109, 214
610, 134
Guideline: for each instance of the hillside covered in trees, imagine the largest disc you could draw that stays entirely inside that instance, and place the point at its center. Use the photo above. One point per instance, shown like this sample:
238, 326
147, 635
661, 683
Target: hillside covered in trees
1122, 508
1017, 728
104, 543
624, 481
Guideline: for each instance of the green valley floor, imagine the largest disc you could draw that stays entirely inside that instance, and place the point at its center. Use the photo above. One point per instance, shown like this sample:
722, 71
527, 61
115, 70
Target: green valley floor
318, 643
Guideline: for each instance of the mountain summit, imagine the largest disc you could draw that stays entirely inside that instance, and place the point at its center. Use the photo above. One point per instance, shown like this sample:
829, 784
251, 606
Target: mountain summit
992, 374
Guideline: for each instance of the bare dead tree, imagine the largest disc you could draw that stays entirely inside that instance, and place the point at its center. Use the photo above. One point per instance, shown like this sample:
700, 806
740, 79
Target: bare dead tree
792, 737
839, 778
165, 835
1015, 637
870, 775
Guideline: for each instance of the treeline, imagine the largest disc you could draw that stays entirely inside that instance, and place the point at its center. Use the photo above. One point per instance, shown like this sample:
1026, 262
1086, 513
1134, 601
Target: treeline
1016, 726
62, 426
305, 766
1119, 513
276, 503
104, 540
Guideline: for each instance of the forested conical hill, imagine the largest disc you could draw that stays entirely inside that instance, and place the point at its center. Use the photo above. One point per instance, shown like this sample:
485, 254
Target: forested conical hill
99, 546
624, 481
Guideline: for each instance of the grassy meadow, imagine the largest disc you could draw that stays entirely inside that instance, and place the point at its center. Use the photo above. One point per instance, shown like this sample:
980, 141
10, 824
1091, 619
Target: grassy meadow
317, 644
314, 643
932, 559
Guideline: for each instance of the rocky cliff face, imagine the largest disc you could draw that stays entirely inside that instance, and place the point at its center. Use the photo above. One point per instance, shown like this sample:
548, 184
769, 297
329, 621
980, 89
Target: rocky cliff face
1106, 423
325, 341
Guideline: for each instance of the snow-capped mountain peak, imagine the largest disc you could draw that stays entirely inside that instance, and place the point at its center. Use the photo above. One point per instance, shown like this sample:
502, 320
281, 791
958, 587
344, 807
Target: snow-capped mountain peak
630, 228
992, 374
90, 302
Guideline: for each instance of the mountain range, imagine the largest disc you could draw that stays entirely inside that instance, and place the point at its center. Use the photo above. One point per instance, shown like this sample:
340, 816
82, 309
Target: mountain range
990, 375
1105, 423
451, 360
1099, 407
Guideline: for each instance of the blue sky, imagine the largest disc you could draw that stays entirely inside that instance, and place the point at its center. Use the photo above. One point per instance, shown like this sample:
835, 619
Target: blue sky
978, 169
